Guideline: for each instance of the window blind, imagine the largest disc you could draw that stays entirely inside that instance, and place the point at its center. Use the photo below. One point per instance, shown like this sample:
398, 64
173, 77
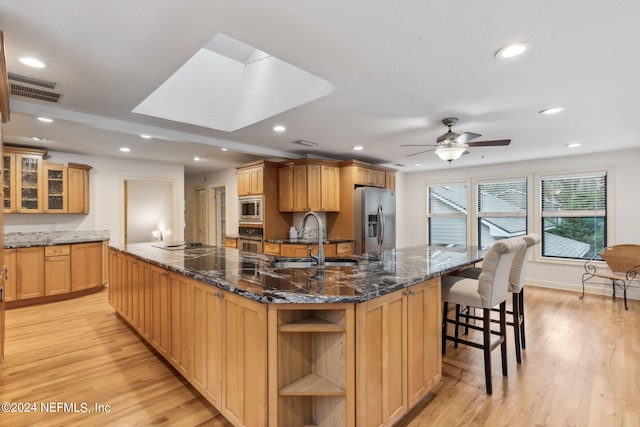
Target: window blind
502, 199
576, 196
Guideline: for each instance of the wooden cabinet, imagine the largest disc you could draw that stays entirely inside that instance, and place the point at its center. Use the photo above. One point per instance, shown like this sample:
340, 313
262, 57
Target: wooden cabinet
9, 182
250, 180
29, 198
160, 329
330, 188
78, 188
390, 180
368, 176
57, 270
271, 248
244, 352
305, 185
55, 189
216, 339
398, 352
230, 243
86, 265
32, 185
29, 272
299, 250
207, 331
344, 248
181, 322
312, 380
10, 291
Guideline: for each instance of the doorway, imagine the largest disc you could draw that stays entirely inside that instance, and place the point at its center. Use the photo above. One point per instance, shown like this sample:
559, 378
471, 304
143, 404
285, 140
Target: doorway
149, 210
209, 215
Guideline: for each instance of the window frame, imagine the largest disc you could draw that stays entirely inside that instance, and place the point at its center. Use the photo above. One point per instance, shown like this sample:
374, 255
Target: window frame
467, 183
607, 216
501, 214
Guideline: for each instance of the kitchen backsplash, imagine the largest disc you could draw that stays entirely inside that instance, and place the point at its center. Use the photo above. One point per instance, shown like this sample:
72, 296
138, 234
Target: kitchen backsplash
311, 227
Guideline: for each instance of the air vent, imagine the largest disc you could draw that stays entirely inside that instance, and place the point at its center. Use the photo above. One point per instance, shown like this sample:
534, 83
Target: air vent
31, 81
400, 165
33, 93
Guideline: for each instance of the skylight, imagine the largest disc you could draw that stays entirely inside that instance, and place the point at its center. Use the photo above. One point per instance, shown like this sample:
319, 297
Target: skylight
228, 85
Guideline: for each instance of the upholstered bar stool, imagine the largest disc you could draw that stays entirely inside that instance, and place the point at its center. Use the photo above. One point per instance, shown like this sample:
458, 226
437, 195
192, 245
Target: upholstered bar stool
487, 291
517, 278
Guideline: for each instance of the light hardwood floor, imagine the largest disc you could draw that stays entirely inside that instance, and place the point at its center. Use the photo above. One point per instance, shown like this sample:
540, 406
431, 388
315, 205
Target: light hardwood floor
581, 368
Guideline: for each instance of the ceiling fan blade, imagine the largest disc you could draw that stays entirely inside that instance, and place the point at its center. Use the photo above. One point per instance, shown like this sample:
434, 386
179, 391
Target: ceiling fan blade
419, 152
493, 143
467, 136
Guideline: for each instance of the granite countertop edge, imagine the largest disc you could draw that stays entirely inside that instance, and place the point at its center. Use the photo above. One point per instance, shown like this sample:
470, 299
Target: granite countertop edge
36, 239
217, 278
307, 241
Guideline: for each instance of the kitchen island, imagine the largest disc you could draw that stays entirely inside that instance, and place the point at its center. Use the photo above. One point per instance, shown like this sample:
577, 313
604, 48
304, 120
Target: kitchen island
343, 345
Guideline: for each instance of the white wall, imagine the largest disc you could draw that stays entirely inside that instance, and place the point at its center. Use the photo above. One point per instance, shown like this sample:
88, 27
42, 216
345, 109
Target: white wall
106, 197
226, 178
150, 208
623, 209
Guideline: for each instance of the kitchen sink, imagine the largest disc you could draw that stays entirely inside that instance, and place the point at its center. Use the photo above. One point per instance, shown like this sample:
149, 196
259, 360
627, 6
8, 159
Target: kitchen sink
308, 263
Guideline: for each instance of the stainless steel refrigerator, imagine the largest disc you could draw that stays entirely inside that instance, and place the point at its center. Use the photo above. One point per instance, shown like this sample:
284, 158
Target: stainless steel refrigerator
375, 219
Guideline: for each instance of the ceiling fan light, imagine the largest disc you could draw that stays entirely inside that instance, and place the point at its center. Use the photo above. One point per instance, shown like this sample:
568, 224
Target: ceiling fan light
449, 153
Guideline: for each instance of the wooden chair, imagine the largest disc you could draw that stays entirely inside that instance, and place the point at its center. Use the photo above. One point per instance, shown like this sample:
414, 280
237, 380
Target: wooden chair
487, 291
623, 262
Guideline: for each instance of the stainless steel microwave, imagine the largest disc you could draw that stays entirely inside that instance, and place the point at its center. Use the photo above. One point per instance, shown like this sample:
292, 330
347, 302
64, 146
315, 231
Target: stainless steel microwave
250, 209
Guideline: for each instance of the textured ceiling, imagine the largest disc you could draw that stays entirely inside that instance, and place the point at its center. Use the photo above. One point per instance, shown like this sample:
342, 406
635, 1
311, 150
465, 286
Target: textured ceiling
398, 68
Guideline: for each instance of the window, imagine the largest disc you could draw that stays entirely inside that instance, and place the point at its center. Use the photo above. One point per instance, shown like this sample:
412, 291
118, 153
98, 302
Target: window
574, 213
502, 210
447, 211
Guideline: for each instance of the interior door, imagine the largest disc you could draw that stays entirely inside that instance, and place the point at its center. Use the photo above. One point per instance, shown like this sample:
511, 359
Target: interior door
202, 225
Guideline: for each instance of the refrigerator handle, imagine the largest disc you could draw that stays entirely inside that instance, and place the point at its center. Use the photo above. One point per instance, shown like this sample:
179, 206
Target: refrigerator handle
381, 223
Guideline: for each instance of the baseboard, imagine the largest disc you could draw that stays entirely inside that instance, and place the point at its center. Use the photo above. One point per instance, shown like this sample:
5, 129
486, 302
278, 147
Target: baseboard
603, 289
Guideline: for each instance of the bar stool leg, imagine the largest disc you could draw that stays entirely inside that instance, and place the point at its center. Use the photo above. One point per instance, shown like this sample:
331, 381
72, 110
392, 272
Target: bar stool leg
486, 334
521, 320
516, 326
445, 310
456, 333
503, 333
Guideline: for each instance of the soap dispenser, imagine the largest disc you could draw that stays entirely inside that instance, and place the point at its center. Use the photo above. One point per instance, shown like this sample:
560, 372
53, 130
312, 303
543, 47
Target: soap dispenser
293, 233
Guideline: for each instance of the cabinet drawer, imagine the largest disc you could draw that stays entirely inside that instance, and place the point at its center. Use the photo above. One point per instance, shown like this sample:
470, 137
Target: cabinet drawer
58, 250
230, 243
272, 248
345, 248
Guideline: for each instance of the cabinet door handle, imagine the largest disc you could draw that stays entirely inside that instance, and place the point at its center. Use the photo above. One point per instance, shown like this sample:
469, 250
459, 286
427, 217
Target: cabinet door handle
4, 273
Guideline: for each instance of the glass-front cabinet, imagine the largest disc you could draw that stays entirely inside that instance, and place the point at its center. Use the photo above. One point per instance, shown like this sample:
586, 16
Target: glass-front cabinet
22, 179
29, 183
55, 189
8, 182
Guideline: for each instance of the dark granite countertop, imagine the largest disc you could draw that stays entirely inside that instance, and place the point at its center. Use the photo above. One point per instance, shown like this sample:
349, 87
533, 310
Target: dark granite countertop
252, 275
52, 238
307, 241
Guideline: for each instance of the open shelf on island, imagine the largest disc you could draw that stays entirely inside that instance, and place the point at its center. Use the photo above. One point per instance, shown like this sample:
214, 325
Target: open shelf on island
311, 324
312, 385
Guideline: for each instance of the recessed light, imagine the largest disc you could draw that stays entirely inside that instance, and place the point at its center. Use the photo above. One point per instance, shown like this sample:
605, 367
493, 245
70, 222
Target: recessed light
39, 139
196, 159
45, 119
358, 148
125, 149
224, 149
552, 110
417, 164
511, 50
32, 62
279, 128
573, 145
145, 136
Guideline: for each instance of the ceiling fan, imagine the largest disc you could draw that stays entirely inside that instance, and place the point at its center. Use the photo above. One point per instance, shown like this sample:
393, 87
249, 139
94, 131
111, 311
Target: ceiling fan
450, 146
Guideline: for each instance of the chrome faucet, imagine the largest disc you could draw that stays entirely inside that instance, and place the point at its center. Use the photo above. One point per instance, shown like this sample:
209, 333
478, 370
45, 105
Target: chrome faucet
320, 257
